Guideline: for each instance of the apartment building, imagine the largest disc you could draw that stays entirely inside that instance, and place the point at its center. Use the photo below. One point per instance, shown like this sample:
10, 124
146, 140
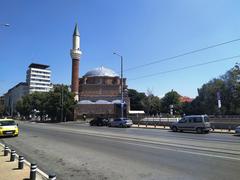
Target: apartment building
38, 78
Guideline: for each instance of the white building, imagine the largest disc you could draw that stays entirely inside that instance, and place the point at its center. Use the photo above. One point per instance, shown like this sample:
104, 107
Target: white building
38, 78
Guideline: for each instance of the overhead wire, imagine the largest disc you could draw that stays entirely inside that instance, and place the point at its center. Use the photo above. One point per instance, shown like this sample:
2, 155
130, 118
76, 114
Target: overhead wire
186, 67
181, 55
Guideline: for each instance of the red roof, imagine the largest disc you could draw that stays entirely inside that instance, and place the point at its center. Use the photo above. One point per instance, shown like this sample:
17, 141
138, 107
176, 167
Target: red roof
183, 99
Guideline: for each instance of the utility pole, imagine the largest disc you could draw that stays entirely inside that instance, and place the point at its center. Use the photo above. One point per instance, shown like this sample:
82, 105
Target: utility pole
219, 102
122, 100
62, 103
171, 109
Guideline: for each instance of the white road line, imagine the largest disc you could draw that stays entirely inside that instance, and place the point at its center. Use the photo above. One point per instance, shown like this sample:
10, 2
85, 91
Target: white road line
184, 151
133, 139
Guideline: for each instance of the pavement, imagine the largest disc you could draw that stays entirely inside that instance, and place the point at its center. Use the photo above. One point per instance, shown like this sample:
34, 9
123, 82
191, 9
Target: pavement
9, 170
76, 151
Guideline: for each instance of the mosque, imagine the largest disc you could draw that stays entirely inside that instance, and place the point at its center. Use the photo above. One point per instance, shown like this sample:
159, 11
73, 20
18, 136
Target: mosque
97, 92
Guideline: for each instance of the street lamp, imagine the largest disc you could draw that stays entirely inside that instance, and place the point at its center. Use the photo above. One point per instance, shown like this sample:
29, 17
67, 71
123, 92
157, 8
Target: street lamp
121, 83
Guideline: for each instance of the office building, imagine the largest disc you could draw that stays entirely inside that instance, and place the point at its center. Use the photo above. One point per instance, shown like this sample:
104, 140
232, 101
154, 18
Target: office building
38, 78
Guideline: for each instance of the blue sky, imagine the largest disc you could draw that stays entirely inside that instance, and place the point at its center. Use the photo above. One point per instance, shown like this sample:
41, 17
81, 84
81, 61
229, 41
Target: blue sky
141, 30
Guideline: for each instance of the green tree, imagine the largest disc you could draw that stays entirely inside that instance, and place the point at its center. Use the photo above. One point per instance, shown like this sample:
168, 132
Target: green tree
60, 104
23, 106
1, 110
57, 104
136, 99
151, 104
38, 103
171, 98
229, 88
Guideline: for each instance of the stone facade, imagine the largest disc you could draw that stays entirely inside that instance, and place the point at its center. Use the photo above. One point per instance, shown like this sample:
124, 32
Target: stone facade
107, 87
100, 94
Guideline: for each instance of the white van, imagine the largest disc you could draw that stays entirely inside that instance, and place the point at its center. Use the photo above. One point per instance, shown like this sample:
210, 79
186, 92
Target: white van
198, 123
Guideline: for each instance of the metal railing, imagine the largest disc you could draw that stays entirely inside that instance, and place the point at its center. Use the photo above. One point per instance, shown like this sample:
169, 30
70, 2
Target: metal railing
221, 123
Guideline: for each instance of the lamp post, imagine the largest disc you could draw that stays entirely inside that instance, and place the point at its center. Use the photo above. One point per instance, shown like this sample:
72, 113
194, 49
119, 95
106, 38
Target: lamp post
121, 57
62, 103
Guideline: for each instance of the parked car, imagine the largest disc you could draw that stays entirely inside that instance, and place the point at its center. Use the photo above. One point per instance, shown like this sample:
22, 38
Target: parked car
237, 130
99, 122
121, 122
8, 127
198, 123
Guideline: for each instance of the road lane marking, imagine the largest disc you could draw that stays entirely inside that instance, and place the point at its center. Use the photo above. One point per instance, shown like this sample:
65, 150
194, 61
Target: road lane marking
184, 151
140, 140
214, 139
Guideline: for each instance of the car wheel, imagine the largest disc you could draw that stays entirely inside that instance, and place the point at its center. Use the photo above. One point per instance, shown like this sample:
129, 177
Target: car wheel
206, 132
174, 129
199, 130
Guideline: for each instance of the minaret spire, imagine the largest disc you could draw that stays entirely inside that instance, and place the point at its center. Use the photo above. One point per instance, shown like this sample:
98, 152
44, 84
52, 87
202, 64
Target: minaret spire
76, 31
75, 54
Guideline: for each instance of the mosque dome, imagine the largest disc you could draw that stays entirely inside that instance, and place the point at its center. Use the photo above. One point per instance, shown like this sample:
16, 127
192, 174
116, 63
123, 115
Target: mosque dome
100, 72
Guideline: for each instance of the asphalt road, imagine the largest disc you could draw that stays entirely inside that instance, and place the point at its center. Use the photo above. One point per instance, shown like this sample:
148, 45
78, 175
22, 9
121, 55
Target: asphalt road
76, 151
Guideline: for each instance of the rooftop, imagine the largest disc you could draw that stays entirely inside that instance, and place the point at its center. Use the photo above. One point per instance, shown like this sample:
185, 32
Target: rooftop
39, 66
19, 84
101, 72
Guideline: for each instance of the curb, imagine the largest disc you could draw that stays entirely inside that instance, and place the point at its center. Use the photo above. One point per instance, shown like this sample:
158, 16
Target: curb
39, 171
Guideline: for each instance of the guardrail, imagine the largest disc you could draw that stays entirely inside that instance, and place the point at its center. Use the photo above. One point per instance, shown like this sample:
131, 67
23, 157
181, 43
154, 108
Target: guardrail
216, 123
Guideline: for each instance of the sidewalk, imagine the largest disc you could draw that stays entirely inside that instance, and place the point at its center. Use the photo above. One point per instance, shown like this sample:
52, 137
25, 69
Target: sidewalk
9, 170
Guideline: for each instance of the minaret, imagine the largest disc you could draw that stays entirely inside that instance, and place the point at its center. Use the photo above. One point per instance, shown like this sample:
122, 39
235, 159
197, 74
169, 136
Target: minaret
75, 54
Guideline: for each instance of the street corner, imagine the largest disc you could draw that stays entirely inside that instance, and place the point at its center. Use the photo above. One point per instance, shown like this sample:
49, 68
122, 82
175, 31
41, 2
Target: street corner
9, 169
14, 167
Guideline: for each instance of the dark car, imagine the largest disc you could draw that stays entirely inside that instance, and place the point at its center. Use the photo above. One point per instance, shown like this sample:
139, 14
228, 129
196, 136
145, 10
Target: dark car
99, 122
237, 130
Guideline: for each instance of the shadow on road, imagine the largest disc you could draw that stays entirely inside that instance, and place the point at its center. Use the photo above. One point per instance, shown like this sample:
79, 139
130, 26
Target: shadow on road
188, 132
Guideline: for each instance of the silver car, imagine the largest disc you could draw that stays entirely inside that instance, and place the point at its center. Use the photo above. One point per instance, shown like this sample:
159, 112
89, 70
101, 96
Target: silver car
198, 123
121, 122
237, 130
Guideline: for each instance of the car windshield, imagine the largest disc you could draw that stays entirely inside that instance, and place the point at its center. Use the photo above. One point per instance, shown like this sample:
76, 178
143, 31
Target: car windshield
7, 123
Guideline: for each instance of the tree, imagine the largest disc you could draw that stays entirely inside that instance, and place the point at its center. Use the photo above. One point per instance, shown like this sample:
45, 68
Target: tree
151, 104
23, 106
1, 110
136, 99
171, 98
57, 104
229, 88
60, 104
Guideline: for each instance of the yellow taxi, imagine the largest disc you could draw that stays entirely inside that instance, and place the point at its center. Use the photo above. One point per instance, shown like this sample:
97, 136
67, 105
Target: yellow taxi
8, 127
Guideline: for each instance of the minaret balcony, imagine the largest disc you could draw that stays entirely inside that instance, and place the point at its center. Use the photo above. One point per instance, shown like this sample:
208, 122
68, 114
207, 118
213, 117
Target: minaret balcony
75, 53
